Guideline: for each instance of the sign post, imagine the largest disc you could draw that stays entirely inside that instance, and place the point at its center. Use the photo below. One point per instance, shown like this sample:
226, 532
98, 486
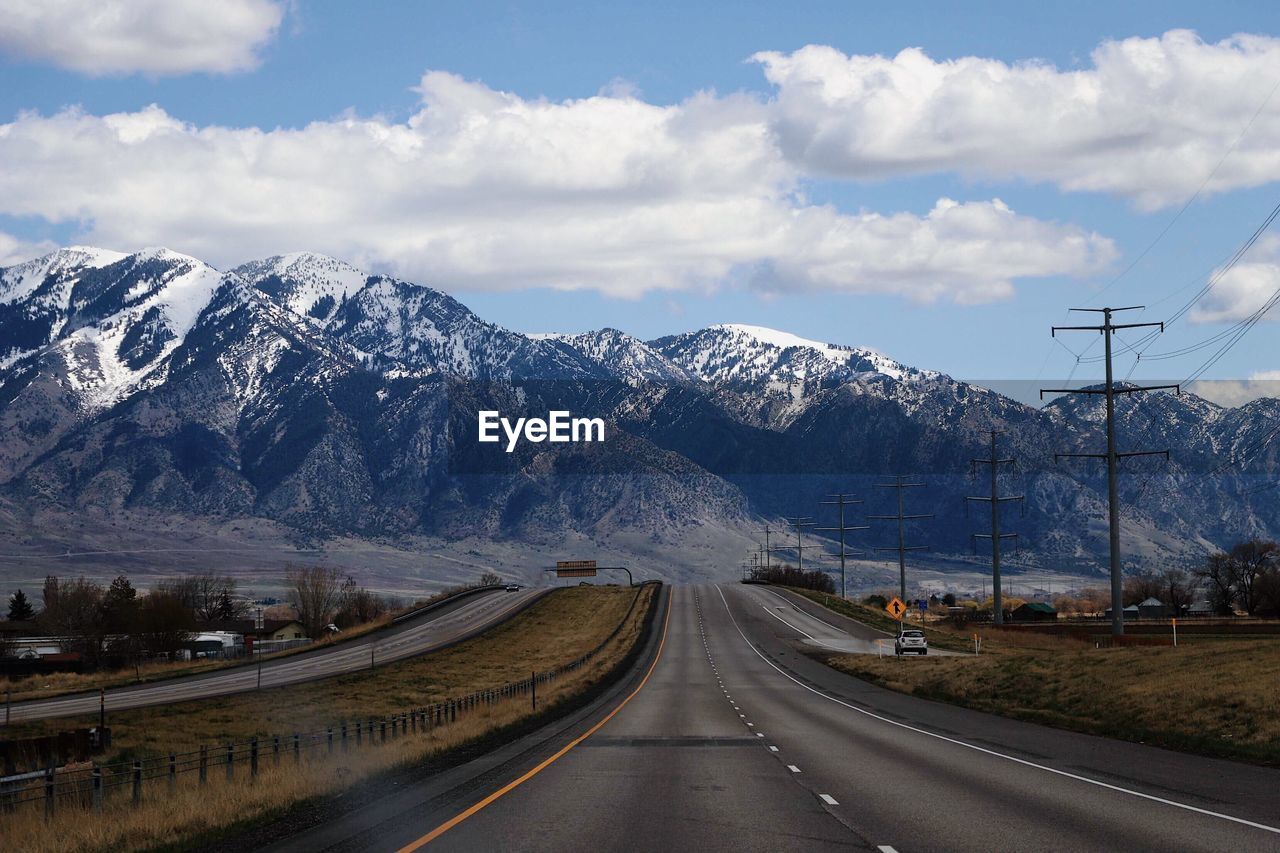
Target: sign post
586, 569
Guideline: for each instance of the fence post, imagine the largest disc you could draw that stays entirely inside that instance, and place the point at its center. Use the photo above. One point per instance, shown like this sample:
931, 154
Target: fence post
329, 734
382, 727
533, 689
97, 789
394, 723
253, 757
413, 720
231, 761
453, 711
173, 770
344, 735
137, 782
204, 765
275, 749
359, 733
297, 748
48, 793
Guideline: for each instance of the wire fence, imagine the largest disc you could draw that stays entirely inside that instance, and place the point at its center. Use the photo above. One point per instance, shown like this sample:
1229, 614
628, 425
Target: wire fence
94, 786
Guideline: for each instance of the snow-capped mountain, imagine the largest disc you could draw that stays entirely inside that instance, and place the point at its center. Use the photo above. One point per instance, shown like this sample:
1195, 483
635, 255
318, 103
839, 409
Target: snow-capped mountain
758, 359
307, 284
301, 391
620, 356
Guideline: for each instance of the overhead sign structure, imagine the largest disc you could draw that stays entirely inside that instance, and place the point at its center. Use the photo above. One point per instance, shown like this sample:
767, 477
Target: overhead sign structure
896, 608
576, 569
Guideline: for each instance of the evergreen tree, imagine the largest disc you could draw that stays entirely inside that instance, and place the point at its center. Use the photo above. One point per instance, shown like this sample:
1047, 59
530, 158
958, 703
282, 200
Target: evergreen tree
20, 609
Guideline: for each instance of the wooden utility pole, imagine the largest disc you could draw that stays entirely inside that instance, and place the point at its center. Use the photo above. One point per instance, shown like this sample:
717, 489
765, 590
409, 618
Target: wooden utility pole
901, 485
842, 501
995, 535
1112, 457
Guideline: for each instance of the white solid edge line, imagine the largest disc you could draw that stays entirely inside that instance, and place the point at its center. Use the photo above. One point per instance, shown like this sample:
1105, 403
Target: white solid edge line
885, 848
1022, 761
792, 605
828, 799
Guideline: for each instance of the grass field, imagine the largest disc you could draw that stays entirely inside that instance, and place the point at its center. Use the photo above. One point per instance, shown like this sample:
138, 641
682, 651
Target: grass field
1215, 698
559, 628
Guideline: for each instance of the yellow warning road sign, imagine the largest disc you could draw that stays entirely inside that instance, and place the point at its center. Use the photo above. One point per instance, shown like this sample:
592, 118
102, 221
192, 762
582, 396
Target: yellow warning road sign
896, 608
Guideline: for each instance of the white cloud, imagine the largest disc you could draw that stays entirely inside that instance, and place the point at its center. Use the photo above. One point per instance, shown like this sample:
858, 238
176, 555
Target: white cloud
1149, 120
149, 36
1237, 392
1244, 289
484, 189
14, 250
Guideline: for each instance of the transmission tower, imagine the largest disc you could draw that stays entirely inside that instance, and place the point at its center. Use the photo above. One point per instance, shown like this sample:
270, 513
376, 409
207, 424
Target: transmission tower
1107, 330
995, 535
901, 484
799, 523
842, 501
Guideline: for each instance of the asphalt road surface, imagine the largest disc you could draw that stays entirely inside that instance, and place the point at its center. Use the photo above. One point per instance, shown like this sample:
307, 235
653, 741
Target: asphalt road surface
728, 737
431, 631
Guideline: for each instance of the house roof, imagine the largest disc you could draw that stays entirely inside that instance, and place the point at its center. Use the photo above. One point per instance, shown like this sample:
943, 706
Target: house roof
246, 626
1151, 602
1039, 607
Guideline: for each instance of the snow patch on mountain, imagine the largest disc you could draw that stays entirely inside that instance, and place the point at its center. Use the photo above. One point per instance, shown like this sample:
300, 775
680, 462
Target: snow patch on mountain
306, 283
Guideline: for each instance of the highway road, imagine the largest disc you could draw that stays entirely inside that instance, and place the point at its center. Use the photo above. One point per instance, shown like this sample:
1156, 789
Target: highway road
728, 737
432, 630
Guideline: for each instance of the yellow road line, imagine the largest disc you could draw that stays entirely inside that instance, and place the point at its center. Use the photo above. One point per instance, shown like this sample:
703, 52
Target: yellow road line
511, 786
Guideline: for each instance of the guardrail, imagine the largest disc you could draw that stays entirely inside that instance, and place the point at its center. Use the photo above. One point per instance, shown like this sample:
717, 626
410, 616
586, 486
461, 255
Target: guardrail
91, 787
427, 608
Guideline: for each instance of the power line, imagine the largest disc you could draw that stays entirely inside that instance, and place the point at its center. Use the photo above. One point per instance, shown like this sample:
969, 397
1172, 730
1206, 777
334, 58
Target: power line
799, 523
995, 535
841, 500
901, 485
1112, 457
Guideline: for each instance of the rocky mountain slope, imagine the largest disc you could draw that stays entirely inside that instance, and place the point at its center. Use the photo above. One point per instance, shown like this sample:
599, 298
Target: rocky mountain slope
300, 392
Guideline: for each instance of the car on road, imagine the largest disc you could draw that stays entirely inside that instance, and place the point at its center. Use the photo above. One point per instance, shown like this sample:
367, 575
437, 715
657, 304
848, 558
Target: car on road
909, 642
512, 587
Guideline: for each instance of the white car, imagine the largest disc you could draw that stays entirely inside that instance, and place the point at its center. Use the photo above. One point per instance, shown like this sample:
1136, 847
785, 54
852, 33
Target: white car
911, 642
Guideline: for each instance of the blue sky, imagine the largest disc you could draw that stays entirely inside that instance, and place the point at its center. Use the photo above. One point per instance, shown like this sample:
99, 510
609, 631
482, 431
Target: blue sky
321, 61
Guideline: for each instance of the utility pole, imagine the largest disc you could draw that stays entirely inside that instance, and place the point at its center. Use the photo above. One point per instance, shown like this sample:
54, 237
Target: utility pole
841, 500
765, 552
1112, 457
995, 535
799, 522
902, 548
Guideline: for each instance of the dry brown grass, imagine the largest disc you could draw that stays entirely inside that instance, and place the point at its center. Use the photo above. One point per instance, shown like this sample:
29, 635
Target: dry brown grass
60, 683
554, 631
1218, 698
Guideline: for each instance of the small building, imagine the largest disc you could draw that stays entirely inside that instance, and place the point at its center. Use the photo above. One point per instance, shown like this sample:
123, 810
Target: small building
1034, 611
1152, 608
1200, 608
1130, 613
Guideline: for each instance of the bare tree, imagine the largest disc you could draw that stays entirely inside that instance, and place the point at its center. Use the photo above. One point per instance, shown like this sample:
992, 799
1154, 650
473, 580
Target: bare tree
209, 596
490, 578
163, 623
1219, 577
1138, 588
1177, 590
1251, 560
316, 591
358, 605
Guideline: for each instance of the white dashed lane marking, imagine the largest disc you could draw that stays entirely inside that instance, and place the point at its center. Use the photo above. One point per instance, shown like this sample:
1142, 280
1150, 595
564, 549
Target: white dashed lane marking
828, 799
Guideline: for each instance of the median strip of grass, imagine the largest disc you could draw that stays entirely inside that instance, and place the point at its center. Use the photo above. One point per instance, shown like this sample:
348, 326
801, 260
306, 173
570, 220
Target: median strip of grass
560, 628
882, 621
1213, 698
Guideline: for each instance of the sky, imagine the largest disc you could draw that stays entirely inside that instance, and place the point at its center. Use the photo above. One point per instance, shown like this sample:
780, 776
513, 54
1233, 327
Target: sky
936, 182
